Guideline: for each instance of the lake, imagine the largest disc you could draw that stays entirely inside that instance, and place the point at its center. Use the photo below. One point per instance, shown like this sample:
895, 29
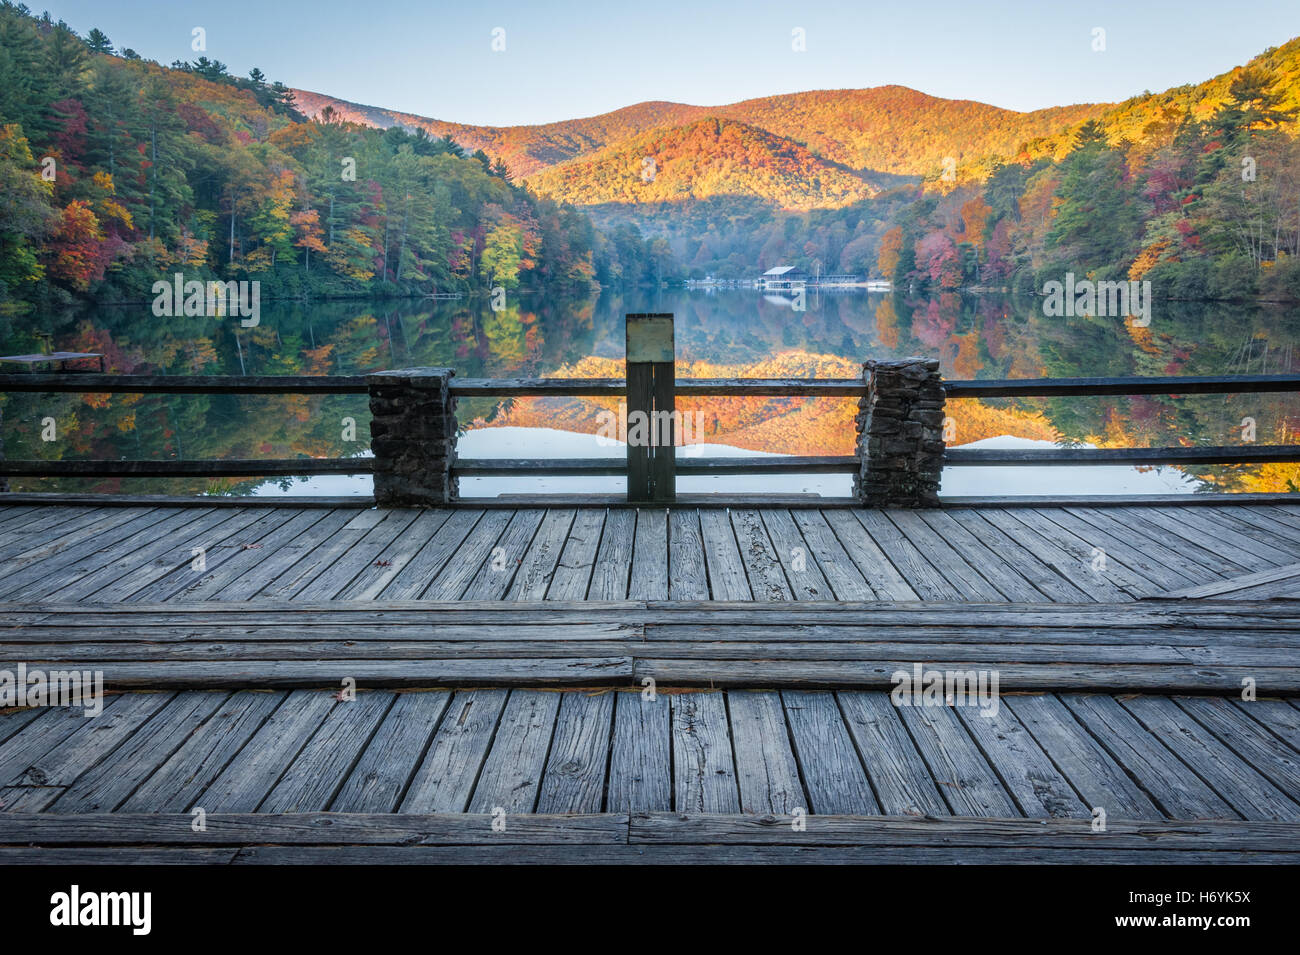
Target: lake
719, 333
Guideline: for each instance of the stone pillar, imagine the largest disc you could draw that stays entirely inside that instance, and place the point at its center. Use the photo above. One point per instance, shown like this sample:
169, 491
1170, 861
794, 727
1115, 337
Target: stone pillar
900, 434
413, 437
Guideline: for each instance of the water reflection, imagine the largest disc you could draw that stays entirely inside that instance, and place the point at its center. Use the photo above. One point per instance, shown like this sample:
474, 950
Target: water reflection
720, 333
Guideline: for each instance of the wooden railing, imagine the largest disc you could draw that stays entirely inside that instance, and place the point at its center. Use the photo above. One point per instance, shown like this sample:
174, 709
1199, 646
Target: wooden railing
616, 387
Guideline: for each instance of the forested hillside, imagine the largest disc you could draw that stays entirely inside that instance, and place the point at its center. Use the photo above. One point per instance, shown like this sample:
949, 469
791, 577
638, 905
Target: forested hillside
117, 171
1192, 188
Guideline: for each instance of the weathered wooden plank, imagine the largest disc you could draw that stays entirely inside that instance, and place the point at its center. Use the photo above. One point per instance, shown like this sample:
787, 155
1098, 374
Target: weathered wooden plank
640, 760
832, 770
1279, 718
1093, 561
805, 577
704, 774
313, 828
178, 570
514, 671
61, 549
942, 555
447, 542
498, 570
1009, 582
49, 574
445, 778
317, 561
1249, 793
726, 571
613, 567
649, 580
876, 568
766, 770
380, 777
134, 563
245, 782
898, 774
1099, 780
91, 742
468, 559
920, 575
963, 776
842, 575
1288, 574
318, 771
1245, 523
1189, 542
28, 798
363, 553
573, 574
1177, 791
962, 831
1150, 552
769, 643
1271, 758
186, 773
574, 780
1208, 527
641, 855
400, 551
688, 577
104, 786
539, 561
182, 642
271, 565
1070, 565
257, 558
40, 735
512, 774
767, 578
859, 674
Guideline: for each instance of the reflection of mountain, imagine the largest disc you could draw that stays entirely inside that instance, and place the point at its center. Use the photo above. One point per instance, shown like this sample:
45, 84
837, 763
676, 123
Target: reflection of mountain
777, 425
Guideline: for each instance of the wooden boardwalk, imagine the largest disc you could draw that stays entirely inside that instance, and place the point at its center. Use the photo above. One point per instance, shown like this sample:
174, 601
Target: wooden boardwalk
613, 684
694, 769
1028, 554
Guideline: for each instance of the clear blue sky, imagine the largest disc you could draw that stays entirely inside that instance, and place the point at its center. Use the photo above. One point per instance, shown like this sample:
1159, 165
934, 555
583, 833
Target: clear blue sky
568, 59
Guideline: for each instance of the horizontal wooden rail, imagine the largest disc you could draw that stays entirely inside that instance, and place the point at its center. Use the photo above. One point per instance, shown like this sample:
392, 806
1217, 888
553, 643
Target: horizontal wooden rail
782, 464
615, 387
187, 384
1076, 387
246, 467
1014, 457
570, 467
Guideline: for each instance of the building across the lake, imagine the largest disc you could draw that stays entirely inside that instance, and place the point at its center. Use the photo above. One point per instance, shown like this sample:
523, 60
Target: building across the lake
784, 276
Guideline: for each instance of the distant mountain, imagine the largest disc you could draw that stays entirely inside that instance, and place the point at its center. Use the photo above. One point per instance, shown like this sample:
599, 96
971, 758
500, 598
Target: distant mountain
525, 149
888, 129
706, 158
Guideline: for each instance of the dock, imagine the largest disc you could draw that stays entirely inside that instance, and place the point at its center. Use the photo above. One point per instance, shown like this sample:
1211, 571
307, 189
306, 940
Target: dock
698, 682
892, 676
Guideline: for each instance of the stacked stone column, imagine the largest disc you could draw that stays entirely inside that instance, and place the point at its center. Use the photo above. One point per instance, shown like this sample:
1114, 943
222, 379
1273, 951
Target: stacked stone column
413, 437
900, 434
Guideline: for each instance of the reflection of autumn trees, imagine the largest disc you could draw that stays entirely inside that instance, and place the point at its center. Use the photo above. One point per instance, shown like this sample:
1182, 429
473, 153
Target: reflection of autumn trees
792, 425
722, 335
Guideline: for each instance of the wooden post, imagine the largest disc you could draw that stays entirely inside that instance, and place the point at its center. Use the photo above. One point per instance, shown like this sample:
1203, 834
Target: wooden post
651, 422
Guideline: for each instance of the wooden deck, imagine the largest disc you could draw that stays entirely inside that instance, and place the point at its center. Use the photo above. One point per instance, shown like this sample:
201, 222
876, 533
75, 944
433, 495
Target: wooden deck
1027, 554
680, 772
505, 656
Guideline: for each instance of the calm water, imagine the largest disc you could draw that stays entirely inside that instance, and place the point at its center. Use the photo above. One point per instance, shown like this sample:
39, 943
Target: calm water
719, 333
